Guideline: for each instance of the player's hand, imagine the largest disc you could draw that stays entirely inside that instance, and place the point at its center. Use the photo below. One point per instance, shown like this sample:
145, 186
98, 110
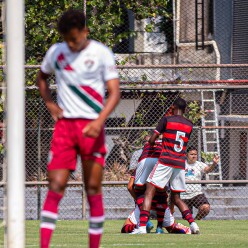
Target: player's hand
216, 159
93, 129
55, 110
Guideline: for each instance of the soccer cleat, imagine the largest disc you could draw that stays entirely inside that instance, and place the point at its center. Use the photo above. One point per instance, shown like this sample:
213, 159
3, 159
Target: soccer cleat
140, 230
194, 228
180, 229
159, 230
149, 226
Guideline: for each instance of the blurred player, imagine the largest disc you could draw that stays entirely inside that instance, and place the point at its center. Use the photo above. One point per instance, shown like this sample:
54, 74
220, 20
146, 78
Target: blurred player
82, 68
170, 167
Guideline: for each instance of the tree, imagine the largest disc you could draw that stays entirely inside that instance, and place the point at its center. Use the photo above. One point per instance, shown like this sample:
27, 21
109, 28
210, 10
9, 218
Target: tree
103, 17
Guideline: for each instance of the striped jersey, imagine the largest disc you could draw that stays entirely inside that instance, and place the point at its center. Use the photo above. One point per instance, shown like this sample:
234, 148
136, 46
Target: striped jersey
176, 132
151, 151
80, 77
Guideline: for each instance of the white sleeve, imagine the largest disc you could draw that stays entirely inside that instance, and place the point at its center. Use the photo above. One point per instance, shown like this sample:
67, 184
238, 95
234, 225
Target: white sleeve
134, 159
109, 67
202, 167
47, 65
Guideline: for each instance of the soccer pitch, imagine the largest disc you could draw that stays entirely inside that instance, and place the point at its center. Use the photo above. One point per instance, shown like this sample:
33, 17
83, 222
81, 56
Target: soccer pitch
73, 234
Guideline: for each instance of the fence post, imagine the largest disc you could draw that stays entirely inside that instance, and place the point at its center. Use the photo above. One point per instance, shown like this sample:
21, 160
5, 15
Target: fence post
39, 165
199, 143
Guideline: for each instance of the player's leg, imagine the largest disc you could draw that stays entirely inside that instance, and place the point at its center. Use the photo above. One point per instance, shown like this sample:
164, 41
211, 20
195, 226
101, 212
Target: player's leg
49, 214
62, 161
161, 198
93, 172
158, 178
172, 226
132, 221
92, 151
201, 203
177, 183
128, 226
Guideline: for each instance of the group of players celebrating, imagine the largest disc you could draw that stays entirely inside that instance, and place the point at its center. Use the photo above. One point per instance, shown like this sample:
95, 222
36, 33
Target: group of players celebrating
161, 169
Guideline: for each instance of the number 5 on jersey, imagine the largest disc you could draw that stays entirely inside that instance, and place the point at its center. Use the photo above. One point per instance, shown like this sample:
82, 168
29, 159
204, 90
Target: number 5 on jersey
179, 136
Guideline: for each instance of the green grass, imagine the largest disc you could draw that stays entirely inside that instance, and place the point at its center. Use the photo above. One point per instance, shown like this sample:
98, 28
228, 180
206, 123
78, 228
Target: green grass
73, 234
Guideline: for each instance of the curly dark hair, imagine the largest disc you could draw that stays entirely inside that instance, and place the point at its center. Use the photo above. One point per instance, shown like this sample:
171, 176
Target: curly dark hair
71, 19
180, 104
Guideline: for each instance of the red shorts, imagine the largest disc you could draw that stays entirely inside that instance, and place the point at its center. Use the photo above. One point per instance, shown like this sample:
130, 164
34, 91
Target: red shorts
68, 141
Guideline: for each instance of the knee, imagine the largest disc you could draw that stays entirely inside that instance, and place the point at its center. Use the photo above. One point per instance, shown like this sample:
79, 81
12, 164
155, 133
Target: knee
57, 186
205, 208
93, 188
175, 199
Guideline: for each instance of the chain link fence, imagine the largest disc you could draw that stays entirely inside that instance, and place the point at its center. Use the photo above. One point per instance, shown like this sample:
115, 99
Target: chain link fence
196, 49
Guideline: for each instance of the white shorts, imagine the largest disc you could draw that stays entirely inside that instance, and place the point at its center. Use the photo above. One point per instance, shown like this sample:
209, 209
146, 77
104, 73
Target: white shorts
134, 216
169, 219
143, 170
162, 174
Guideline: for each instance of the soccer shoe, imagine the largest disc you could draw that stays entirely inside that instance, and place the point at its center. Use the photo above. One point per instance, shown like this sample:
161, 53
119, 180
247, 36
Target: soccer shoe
194, 228
149, 226
159, 230
140, 230
180, 229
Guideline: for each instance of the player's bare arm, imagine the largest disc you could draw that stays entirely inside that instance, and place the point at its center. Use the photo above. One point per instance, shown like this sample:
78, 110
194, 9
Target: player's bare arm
153, 139
45, 92
93, 129
213, 165
130, 187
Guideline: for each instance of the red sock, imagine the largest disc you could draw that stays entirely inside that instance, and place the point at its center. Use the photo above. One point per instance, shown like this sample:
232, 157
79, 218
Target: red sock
160, 210
128, 228
139, 201
144, 217
49, 216
96, 220
188, 216
161, 206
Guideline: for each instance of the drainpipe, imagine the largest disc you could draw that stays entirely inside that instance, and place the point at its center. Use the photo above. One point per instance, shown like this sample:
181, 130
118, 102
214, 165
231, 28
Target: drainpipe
177, 39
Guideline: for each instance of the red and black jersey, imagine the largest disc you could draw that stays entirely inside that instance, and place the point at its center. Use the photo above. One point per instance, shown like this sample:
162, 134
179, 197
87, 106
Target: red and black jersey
151, 151
176, 132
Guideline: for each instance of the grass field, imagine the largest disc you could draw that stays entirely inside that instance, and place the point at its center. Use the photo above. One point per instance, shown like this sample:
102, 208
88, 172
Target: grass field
73, 234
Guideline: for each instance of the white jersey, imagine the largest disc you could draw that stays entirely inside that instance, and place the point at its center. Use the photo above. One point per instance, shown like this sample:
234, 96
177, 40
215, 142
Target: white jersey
80, 77
134, 159
193, 172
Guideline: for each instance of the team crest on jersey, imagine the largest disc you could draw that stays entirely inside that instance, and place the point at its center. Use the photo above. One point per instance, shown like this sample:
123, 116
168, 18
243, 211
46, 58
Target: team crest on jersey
89, 63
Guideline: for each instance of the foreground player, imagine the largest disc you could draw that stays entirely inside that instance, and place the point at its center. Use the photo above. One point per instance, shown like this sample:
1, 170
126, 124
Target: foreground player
170, 167
82, 67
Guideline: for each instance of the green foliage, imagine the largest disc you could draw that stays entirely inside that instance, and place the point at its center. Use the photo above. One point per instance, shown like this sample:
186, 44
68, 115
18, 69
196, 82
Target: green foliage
194, 112
207, 157
103, 18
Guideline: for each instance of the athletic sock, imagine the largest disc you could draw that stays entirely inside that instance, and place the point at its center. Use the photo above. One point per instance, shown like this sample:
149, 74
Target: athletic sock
128, 228
96, 220
139, 201
188, 216
161, 206
144, 217
49, 216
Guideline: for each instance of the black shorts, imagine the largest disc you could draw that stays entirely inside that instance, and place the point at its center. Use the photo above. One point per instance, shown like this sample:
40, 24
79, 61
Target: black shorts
196, 201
